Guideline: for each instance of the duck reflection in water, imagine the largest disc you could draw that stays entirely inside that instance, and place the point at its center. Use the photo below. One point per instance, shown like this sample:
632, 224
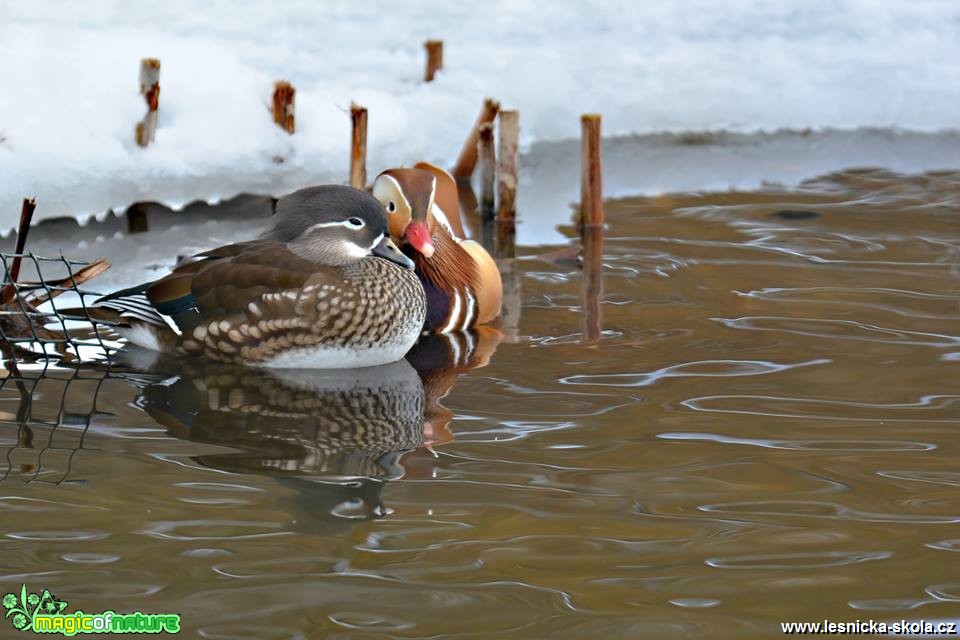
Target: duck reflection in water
334, 436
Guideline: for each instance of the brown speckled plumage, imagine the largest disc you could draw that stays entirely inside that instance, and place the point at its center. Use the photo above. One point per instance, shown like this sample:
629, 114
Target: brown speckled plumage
265, 301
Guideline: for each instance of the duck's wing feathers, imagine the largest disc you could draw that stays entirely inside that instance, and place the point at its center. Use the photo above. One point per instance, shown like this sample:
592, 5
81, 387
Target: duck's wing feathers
228, 286
263, 301
169, 301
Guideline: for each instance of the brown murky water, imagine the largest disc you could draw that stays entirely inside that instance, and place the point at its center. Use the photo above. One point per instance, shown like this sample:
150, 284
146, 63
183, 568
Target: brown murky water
766, 431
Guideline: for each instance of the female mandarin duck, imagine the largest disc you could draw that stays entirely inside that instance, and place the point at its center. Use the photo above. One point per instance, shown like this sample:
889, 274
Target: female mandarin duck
460, 278
324, 287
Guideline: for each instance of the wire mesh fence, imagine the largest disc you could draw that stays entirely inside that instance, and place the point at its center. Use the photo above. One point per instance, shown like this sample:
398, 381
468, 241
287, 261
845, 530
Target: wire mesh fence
46, 412
45, 314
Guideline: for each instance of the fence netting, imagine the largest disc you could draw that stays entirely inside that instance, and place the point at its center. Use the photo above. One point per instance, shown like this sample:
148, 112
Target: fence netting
45, 313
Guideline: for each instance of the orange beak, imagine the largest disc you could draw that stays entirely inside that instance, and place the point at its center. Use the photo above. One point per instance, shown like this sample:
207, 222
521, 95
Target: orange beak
418, 235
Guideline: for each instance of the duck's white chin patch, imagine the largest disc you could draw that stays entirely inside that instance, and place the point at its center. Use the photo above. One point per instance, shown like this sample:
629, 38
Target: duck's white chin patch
336, 357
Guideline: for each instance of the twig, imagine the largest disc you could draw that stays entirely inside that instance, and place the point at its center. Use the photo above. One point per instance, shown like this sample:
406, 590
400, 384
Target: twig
26, 215
57, 287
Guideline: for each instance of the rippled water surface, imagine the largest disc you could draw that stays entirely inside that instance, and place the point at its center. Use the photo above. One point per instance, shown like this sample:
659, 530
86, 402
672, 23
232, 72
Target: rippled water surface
765, 430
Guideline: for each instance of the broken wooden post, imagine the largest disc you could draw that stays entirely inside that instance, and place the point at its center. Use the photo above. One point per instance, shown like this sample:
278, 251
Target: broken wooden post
434, 58
508, 167
358, 147
26, 215
591, 179
488, 170
284, 95
467, 160
150, 90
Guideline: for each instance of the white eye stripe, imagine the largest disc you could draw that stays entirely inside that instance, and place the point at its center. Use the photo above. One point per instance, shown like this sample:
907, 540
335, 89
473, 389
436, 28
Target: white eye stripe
342, 223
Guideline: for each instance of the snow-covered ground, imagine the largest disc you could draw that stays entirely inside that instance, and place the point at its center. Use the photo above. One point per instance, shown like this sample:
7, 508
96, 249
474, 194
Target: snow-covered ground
69, 97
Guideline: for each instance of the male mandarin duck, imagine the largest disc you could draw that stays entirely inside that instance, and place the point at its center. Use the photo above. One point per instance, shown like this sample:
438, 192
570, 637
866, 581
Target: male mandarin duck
323, 287
460, 278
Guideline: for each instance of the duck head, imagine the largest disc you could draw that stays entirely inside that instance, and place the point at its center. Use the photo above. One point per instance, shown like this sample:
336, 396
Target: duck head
334, 225
408, 197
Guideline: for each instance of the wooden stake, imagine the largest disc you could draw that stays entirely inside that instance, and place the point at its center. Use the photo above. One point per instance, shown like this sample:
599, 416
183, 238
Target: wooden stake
467, 160
592, 237
488, 170
358, 147
137, 218
505, 245
284, 95
150, 90
591, 183
509, 165
512, 298
434, 58
26, 215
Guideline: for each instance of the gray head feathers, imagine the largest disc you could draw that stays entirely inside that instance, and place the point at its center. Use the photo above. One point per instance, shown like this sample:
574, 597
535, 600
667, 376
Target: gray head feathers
297, 212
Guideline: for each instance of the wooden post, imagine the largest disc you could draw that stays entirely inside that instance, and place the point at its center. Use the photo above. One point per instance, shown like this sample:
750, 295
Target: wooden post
467, 160
591, 183
150, 90
508, 168
488, 170
512, 298
358, 147
434, 58
284, 95
26, 215
592, 255
137, 218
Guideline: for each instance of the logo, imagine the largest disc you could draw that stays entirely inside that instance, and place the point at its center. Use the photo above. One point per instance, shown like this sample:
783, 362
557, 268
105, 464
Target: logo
43, 613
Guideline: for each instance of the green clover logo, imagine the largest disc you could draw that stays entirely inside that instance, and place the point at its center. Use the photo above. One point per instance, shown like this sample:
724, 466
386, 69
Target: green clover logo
25, 609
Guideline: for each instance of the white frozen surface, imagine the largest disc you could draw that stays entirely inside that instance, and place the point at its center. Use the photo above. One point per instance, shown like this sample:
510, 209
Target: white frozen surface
549, 185
69, 98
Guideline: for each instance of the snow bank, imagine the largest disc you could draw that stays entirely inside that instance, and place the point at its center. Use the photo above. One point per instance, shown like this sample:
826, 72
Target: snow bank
69, 76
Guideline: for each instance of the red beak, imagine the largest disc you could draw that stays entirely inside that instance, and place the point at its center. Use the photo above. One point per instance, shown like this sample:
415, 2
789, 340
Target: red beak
418, 235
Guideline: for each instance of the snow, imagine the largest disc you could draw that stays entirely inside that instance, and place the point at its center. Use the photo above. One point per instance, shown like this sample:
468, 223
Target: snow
70, 95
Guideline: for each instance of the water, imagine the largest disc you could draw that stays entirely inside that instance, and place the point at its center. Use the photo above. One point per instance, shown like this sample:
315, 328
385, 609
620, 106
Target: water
765, 431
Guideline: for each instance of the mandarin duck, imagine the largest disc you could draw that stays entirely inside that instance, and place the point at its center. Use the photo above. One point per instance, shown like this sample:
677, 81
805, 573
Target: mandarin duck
323, 287
461, 279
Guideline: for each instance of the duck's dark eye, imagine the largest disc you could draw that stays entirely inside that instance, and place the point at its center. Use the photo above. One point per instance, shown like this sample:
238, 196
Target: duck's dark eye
391, 207
356, 223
